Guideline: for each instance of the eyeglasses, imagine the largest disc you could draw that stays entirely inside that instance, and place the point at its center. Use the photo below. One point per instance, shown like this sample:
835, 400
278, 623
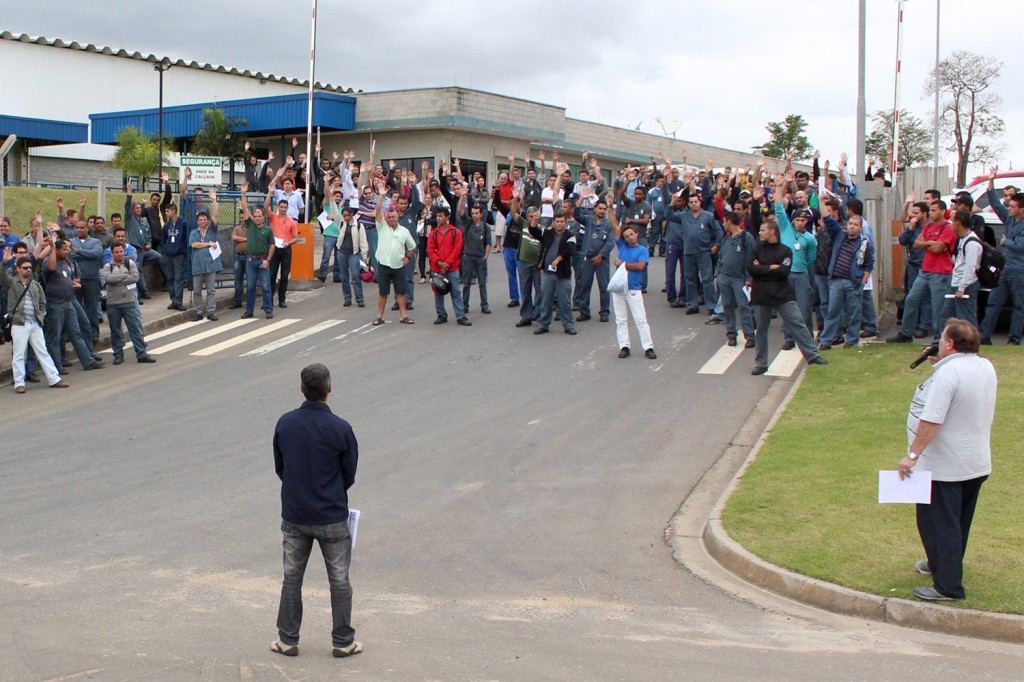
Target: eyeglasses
24, 267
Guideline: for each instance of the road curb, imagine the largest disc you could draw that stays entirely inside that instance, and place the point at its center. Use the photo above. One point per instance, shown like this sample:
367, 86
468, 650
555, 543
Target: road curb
732, 556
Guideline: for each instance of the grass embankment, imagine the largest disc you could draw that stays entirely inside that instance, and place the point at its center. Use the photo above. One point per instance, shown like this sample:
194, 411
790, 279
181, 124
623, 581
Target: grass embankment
810, 500
21, 203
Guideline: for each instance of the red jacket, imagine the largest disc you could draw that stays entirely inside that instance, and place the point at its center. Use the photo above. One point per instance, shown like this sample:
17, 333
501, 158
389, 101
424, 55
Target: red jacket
445, 247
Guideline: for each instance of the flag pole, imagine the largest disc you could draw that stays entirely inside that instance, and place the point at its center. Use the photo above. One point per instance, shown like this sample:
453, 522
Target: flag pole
309, 117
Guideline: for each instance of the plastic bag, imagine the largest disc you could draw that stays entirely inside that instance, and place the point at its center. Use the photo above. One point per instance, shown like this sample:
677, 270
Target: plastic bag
619, 283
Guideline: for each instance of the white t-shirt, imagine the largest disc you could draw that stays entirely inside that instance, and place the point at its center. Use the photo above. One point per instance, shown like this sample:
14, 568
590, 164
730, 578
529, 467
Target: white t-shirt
548, 210
961, 396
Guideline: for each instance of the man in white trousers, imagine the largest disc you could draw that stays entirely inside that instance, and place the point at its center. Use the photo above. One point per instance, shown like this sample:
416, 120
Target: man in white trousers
635, 257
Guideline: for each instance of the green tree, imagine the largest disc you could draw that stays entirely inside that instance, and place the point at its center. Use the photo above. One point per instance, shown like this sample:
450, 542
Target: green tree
968, 111
220, 135
138, 153
786, 137
915, 139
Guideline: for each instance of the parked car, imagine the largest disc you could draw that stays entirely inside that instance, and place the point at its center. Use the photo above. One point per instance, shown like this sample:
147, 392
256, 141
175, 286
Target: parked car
978, 188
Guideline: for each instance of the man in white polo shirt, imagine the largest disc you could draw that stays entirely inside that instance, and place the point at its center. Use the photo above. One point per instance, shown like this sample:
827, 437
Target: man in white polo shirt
949, 428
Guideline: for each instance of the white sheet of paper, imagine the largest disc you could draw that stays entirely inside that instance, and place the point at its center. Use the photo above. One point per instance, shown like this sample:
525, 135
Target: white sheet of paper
916, 489
278, 242
353, 524
954, 296
324, 219
870, 284
746, 292
216, 251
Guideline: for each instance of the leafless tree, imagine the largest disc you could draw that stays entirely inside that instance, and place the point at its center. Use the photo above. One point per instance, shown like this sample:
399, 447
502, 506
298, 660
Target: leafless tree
968, 115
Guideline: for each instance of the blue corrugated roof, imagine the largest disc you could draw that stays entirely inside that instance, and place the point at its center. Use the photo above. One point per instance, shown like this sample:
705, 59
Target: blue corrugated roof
43, 130
280, 114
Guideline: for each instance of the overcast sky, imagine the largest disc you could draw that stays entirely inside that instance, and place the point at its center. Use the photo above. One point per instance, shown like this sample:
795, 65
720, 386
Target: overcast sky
718, 70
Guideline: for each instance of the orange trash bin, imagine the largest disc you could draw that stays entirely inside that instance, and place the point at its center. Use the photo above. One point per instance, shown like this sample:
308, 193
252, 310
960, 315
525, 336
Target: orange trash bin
303, 254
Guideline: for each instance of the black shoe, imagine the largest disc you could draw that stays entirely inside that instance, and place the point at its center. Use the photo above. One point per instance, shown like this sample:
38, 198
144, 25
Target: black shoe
523, 323
571, 332
337, 281
118, 360
867, 335
624, 353
408, 306
824, 346
322, 279
211, 317
67, 365
172, 307
146, 296
361, 304
650, 354
145, 359
234, 305
32, 377
346, 304
513, 304
540, 330
282, 304
986, 342
441, 320
246, 315
141, 302
1012, 342
180, 307
677, 304
603, 317
758, 371
850, 345
730, 342
485, 310
197, 317
920, 333
575, 307
749, 343
818, 361
96, 365
788, 345
269, 316
63, 372
463, 322
582, 317
899, 338
692, 311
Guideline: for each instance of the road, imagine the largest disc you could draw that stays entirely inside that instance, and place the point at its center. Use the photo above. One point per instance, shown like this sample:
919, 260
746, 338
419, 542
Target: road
515, 492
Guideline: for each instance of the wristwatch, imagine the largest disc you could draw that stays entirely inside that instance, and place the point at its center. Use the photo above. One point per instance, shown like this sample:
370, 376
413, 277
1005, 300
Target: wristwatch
912, 456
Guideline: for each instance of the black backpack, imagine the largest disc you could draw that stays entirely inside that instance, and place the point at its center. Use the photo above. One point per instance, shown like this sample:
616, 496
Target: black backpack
990, 267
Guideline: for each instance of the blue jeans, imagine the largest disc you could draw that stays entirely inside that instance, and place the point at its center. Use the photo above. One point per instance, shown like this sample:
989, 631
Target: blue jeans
1010, 285
512, 269
732, 298
924, 319
410, 285
929, 288
350, 275
239, 270
174, 273
554, 291
61, 318
257, 276
801, 283
965, 308
529, 279
699, 264
336, 546
821, 289
674, 257
329, 248
474, 267
132, 316
587, 273
371, 239
654, 239
868, 316
146, 258
89, 298
844, 298
455, 293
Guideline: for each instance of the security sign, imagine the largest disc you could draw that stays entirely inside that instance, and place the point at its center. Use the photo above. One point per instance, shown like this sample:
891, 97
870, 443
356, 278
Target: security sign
206, 170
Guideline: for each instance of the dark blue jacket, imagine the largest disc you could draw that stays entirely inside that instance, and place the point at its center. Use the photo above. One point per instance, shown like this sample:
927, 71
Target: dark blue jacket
315, 456
863, 256
174, 238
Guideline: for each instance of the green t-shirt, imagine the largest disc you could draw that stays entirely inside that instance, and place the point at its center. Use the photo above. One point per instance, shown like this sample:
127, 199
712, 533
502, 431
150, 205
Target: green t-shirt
260, 238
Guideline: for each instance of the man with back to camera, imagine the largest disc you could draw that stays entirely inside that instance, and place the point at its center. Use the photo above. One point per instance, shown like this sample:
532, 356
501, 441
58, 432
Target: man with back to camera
949, 433
315, 456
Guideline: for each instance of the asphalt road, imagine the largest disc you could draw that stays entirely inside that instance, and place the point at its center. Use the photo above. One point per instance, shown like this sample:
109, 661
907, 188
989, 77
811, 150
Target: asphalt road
515, 490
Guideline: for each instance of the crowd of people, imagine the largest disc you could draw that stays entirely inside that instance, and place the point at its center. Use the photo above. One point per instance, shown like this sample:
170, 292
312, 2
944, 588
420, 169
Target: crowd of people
748, 244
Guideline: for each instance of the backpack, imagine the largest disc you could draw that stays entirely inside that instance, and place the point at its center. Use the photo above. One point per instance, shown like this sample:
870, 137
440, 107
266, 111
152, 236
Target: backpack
990, 267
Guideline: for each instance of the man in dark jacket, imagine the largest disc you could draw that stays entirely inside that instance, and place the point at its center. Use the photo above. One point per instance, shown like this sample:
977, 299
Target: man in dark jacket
557, 247
315, 456
768, 264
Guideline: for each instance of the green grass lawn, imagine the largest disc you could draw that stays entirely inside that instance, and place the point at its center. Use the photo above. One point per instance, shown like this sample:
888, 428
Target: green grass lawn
809, 502
21, 203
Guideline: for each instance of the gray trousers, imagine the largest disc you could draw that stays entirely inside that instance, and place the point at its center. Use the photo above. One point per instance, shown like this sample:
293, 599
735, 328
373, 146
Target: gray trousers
791, 317
209, 280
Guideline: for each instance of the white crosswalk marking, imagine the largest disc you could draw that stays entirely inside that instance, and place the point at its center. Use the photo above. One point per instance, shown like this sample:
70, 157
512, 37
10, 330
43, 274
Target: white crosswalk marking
196, 338
297, 336
368, 326
785, 363
166, 332
721, 360
255, 334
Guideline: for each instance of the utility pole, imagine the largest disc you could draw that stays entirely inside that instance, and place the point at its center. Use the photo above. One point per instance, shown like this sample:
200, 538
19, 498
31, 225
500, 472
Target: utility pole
161, 67
935, 151
861, 85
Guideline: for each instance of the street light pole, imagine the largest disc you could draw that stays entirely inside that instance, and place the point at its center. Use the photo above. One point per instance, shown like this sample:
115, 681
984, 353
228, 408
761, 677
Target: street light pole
935, 151
161, 67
